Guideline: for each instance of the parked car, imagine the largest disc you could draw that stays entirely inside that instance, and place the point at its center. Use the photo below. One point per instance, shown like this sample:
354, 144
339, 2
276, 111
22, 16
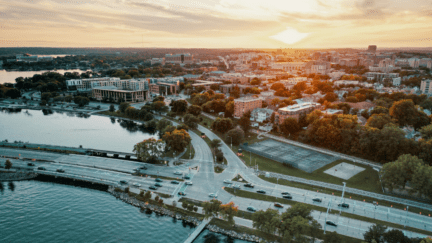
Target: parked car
30, 164
177, 173
158, 184
278, 205
142, 168
249, 185
317, 199
331, 223
344, 205
60, 170
250, 208
136, 184
236, 187
175, 182
287, 196
261, 191
189, 183
212, 195
123, 182
285, 193
153, 187
227, 182
158, 180
187, 177
41, 168
182, 194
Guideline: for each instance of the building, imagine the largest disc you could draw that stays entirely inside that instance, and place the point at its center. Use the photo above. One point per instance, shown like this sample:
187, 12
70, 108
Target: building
396, 81
245, 104
372, 48
377, 76
426, 87
295, 111
113, 93
154, 61
332, 112
289, 66
317, 67
204, 83
179, 58
85, 85
261, 114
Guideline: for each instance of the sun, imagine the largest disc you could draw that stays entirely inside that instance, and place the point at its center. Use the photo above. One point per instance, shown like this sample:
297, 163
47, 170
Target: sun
289, 36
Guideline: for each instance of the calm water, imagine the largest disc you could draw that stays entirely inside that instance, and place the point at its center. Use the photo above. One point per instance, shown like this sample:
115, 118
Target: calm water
68, 129
10, 76
35, 211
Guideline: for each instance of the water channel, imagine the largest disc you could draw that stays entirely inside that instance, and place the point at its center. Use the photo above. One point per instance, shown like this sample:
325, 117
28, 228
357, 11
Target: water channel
10, 76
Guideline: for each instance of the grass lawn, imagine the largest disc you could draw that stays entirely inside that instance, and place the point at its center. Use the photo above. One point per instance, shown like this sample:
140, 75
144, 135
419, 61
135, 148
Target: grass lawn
264, 197
187, 154
218, 169
239, 177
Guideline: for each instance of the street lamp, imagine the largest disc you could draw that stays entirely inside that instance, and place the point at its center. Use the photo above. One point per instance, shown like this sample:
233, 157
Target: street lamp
343, 192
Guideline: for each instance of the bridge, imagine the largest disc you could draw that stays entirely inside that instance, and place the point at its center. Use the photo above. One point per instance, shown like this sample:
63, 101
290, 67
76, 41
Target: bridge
197, 231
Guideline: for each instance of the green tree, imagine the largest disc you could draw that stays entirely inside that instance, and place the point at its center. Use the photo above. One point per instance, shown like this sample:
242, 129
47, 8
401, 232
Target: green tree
81, 101
191, 121
375, 232
426, 132
236, 136
149, 150
245, 122
266, 221
398, 173
13, 93
215, 143
315, 230
332, 237
404, 112
222, 125
179, 106
68, 98
159, 106
177, 140
379, 120
395, 236
379, 110
421, 120
211, 208
185, 205
289, 126
194, 110
123, 106
8, 164
111, 108
162, 124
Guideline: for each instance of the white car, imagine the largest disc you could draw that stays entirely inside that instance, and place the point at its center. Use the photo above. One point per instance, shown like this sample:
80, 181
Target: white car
188, 182
177, 173
136, 184
236, 187
227, 181
212, 195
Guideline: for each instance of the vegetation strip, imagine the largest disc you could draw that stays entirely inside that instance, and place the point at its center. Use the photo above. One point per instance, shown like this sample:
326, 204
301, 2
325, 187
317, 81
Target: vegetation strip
262, 197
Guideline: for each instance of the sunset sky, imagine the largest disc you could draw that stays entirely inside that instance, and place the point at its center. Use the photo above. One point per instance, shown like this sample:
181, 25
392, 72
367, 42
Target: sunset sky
216, 23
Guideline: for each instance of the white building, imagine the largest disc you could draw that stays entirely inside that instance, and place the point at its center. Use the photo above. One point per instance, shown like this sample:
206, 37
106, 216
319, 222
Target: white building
426, 87
396, 81
261, 114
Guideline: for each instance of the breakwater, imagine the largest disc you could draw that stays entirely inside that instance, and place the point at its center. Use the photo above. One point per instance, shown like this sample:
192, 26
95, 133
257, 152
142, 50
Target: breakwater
16, 176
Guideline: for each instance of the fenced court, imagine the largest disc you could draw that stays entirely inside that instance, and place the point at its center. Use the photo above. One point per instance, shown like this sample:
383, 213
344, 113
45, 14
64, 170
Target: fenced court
303, 159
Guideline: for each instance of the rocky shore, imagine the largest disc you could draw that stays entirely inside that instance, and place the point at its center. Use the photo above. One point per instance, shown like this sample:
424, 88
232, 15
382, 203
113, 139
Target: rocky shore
17, 176
189, 219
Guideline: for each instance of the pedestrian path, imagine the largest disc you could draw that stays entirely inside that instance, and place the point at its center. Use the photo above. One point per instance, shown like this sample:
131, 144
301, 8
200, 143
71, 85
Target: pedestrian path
197, 231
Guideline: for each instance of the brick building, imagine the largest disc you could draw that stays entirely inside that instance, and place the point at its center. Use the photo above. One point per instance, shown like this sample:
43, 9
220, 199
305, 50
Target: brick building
246, 104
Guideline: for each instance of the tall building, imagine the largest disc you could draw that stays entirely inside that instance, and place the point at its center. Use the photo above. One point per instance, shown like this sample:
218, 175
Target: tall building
179, 58
372, 48
245, 104
426, 87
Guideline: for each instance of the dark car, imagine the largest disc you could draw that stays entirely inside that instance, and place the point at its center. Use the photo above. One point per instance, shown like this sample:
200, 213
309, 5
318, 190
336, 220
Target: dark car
317, 199
261, 191
344, 205
153, 187
187, 177
182, 194
278, 205
249, 185
60, 170
158, 184
331, 223
30, 164
287, 196
285, 193
158, 180
41, 168
123, 182
175, 182
250, 208
142, 168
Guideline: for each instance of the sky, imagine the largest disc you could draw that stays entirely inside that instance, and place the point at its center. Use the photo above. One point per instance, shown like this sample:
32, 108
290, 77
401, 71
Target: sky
216, 23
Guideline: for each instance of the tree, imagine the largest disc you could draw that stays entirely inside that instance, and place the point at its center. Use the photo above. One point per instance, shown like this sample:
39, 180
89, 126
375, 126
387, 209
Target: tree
379, 110
379, 120
111, 109
255, 81
123, 106
191, 121
159, 106
194, 110
289, 126
264, 220
398, 173
229, 109
404, 112
81, 101
395, 236
222, 124
162, 124
315, 230
8, 164
235, 93
228, 211
149, 150
332, 237
211, 208
68, 98
184, 205
179, 106
375, 232
421, 120
245, 122
426, 132
236, 136
177, 140
13, 93
215, 143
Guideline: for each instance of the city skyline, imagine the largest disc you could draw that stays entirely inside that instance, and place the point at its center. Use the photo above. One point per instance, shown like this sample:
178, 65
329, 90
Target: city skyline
215, 24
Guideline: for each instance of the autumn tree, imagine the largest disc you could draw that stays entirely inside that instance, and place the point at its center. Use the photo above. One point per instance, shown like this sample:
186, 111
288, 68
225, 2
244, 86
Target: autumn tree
404, 112
426, 132
236, 136
149, 150
191, 121
245, 122
179, 106
222, 125
228, 211
194, 110
289, 126
177, 140
379, 120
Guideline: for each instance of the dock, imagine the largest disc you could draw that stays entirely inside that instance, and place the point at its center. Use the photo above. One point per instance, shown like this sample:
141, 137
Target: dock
197, 231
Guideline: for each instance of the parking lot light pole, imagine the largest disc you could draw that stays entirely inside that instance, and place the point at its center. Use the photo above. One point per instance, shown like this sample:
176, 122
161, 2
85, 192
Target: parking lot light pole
325, 220
343, 192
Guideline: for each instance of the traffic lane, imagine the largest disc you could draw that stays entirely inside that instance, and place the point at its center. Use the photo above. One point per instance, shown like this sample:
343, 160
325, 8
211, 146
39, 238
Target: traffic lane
29, 154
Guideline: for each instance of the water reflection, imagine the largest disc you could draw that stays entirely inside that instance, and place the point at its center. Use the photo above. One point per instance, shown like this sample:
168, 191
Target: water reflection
47, 112
113, 120
11, 186
1, 187
212, 238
